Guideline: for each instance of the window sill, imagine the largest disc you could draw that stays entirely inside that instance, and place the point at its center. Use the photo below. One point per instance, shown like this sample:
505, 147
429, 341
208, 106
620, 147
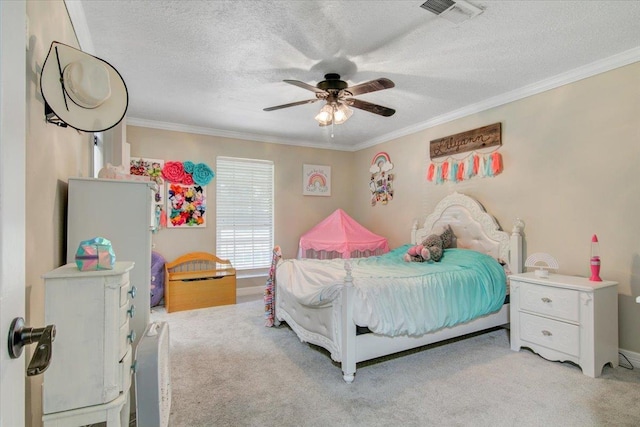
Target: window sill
241, 275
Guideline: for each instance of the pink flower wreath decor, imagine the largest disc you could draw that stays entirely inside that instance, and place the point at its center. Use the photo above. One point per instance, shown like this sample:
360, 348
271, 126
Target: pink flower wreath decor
187, 179
173, 171
187, 173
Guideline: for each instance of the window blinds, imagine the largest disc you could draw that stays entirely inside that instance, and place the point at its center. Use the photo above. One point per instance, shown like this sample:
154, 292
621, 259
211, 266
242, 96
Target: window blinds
244, 213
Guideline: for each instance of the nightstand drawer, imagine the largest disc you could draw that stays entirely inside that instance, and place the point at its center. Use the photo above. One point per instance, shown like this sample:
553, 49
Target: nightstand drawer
127, 312
124, 291
126, 371
125, 340
552, 334
550, 301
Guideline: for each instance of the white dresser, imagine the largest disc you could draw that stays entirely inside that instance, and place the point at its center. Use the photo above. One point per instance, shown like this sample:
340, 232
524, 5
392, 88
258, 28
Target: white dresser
89, 377
566, 318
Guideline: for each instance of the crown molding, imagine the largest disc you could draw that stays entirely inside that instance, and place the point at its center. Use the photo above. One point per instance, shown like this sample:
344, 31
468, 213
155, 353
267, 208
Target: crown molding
616, 61
80, 26
153, 124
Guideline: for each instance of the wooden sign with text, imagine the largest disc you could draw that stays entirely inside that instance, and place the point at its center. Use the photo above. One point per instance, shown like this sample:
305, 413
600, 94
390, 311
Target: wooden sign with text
487, 136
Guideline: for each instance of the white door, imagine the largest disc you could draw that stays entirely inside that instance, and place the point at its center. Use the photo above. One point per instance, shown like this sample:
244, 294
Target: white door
12, 204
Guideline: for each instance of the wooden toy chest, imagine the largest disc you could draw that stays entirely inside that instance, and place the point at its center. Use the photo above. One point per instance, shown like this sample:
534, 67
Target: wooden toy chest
199, 280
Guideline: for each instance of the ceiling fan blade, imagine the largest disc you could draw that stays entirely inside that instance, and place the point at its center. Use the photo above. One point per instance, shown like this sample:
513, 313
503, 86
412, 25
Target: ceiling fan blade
304, 85
372, 108
371, 86
293, 104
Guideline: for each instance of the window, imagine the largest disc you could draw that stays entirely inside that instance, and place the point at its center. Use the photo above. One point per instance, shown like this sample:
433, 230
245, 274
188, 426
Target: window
97, 154
244, 214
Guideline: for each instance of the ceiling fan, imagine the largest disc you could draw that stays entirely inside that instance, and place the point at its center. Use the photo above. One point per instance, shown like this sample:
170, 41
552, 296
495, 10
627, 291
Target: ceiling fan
338, 97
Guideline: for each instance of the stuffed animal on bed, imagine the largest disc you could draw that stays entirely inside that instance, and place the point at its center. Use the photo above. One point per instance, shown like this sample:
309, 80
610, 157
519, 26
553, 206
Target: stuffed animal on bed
414, 254
432, 247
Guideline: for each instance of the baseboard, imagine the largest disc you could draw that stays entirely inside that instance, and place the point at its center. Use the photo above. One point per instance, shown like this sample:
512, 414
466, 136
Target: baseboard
634, 358
253, 290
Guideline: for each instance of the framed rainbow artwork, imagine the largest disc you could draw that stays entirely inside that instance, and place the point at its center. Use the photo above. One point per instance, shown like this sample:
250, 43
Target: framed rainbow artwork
316, 180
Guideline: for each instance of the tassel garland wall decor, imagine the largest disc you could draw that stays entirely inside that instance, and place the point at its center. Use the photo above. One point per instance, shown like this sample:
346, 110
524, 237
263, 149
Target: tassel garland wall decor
457, 170
474, 164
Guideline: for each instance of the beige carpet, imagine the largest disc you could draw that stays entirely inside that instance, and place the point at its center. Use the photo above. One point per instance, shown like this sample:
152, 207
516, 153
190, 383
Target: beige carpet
230, 370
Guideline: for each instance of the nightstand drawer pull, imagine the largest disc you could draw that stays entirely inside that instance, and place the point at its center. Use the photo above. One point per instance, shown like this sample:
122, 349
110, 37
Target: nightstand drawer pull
546, 333
547, 300
132, 292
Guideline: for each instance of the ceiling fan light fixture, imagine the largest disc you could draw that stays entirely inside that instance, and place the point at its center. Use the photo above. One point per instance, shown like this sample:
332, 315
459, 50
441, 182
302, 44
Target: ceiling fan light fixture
337, 95
325, 116
341, 113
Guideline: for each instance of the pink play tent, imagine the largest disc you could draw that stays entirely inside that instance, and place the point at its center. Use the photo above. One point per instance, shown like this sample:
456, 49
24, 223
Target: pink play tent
340, 236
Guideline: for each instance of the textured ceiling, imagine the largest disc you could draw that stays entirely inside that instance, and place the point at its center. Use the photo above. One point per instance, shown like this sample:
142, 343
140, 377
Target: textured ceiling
212, 66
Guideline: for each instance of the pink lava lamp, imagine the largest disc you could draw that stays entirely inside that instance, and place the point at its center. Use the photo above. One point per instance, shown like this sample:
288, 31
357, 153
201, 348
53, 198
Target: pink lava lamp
595, 260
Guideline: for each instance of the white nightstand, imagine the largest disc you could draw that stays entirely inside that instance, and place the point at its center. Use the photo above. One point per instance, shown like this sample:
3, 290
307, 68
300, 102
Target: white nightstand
566, 318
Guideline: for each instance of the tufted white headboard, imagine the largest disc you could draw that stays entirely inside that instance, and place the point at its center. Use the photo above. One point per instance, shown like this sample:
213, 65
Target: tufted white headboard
474, 229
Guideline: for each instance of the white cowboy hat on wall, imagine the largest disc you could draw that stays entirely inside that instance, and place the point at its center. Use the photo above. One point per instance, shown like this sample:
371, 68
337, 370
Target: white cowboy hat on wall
82, 91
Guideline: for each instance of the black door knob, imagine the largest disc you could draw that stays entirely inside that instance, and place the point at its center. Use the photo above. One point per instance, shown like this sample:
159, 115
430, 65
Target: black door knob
20, 335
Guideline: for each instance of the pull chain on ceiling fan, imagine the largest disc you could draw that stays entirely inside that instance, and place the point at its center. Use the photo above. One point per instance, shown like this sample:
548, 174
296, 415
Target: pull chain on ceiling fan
338, 97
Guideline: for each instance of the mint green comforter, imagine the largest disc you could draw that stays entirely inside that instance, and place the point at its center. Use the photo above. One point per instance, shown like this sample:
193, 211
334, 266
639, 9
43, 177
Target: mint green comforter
394, 297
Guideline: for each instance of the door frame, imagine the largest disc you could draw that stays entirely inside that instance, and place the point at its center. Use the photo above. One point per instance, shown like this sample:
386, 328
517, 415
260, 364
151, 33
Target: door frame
13, 18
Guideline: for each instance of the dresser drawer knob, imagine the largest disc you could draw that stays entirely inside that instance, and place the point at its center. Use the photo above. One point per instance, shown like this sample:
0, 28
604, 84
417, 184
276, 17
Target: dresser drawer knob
132, 292
134, 366
545, 299
132, 311
546, 333
132, 336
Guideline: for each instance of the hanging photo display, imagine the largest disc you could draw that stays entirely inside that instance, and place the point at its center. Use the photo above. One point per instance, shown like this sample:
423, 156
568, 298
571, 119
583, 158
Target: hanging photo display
381, 181
153, 169
186, 193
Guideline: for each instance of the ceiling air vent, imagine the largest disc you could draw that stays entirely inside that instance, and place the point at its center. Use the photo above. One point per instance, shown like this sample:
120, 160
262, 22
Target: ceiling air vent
453, 11
437, 6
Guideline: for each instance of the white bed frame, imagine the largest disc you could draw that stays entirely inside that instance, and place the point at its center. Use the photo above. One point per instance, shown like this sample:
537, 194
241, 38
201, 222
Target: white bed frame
332, 326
